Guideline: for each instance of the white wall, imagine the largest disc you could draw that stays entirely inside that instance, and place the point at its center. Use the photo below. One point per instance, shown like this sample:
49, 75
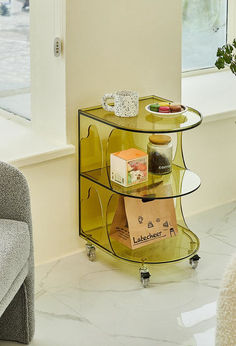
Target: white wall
48, 96
120, 44
210, 151
53, 184
53, 188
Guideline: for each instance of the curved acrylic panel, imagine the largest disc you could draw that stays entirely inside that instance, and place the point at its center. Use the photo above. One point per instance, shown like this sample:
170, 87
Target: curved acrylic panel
119, 140
91, 150
184, 245
145, 121
92, 221
98, 208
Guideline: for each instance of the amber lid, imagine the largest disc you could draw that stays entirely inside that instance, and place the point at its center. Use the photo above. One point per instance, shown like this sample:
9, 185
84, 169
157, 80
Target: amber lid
160, 139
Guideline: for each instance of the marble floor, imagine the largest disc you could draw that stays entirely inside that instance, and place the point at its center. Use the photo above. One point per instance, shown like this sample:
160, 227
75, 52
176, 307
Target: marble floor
102, 303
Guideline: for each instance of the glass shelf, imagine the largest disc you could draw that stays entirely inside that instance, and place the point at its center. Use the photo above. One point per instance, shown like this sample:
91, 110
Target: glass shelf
184, 245
146, 122
178, 183
98, 207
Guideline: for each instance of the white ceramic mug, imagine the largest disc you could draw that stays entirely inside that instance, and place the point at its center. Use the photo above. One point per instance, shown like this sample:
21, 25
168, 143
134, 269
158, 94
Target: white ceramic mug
126, 103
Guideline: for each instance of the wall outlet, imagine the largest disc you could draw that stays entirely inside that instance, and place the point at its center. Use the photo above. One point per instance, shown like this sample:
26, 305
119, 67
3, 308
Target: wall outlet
57, 47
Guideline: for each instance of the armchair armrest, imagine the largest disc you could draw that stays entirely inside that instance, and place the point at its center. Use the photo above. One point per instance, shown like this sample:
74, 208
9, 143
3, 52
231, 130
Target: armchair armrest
14, 195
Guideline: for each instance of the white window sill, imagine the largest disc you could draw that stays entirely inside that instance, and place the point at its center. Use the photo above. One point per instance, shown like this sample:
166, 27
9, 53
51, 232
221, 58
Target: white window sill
21, 146
213, 94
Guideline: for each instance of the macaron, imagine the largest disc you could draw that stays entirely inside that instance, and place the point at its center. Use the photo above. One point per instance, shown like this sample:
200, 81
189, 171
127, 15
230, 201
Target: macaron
164, 104
164, 109
174, 108
154, 107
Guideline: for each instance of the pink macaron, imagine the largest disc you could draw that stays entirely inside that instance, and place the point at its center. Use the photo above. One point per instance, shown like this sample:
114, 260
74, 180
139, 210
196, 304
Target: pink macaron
164, 109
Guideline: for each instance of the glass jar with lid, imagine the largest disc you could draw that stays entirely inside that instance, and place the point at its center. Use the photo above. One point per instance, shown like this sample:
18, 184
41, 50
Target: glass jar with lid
159, 151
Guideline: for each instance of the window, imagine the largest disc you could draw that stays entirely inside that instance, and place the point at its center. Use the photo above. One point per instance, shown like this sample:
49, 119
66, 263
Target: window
204, 30
15, 57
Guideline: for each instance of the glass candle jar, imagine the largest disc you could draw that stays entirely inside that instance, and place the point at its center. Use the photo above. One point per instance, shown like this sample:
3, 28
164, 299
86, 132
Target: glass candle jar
159, 151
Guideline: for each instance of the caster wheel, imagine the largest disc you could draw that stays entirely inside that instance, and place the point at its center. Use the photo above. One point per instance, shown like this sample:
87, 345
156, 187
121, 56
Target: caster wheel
145, 282
91, 252
144, 276
193, 261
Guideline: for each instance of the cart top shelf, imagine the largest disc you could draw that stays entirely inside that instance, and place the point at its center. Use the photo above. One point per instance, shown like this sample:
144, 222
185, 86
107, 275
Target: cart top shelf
146, 122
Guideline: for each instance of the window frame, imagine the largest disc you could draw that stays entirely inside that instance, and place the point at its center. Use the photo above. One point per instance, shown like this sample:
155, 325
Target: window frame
48, 117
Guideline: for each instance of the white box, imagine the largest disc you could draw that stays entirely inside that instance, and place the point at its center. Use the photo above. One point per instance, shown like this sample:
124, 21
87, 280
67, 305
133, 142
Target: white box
129, 167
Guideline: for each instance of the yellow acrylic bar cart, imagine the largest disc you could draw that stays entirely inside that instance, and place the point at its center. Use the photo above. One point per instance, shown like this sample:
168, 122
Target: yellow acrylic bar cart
102, 133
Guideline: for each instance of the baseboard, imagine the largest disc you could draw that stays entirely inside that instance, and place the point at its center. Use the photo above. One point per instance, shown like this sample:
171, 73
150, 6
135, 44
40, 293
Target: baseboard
191, 214
54, 259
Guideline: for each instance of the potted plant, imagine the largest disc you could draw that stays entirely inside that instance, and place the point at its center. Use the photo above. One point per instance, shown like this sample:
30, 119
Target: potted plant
226, 56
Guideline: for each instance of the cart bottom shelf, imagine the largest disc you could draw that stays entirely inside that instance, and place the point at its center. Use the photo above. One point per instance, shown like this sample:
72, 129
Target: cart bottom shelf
184, 245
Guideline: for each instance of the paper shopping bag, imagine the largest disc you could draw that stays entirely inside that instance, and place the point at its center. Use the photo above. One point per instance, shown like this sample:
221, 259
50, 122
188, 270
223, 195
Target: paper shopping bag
137, 223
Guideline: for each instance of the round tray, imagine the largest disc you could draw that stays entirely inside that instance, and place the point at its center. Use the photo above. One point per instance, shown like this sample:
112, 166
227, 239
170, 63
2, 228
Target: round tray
167, 115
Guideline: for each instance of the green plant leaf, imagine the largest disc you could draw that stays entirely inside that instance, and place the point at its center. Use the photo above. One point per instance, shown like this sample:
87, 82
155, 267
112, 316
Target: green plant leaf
229, 48
220, 52
220, 63
226, 55
228, 58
